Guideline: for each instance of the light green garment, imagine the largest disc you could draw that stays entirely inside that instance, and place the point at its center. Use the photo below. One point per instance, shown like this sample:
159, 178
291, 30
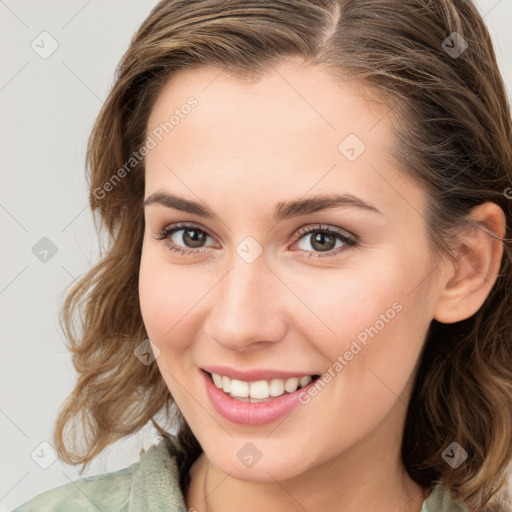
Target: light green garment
152, 485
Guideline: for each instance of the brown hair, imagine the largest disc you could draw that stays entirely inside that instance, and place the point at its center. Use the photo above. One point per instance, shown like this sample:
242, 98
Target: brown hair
453, 136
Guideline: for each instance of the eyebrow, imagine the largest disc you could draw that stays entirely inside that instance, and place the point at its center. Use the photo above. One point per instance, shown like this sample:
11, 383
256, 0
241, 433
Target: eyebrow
283, 210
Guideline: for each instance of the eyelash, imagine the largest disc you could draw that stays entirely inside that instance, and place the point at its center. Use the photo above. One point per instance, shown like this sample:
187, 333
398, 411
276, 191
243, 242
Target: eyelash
168, 231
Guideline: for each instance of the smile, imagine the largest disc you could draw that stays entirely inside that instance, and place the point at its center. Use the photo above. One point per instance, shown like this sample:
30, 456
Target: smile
263, 401
259, 390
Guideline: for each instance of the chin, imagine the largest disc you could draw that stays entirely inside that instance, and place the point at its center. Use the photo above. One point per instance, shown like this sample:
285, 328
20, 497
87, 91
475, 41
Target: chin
266, 469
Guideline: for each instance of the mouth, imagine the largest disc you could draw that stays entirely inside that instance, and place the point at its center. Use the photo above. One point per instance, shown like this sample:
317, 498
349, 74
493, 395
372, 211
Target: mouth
264, 390
256, 402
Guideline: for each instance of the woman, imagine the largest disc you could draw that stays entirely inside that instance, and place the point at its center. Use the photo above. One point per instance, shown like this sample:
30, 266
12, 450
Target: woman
308, 216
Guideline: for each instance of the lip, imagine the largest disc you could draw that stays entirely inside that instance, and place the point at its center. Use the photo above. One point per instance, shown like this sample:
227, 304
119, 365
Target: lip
251, 413
253, 375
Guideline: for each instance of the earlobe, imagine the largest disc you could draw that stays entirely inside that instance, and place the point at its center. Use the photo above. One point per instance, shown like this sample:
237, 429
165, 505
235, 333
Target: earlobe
471, 276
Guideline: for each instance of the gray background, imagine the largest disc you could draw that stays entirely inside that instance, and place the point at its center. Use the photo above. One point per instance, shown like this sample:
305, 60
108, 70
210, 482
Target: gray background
48, 106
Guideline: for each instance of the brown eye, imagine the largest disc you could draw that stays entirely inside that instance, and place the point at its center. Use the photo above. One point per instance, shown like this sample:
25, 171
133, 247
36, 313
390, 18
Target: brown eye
184, 238
193, 237
320, 240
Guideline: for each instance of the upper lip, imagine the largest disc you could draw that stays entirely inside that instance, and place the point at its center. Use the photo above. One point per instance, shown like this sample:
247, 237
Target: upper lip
254, 374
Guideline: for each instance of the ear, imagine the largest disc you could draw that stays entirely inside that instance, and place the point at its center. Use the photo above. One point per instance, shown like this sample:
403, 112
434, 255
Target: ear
469, 278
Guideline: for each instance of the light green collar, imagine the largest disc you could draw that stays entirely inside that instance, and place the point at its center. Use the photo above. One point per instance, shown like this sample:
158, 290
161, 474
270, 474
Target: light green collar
155, 486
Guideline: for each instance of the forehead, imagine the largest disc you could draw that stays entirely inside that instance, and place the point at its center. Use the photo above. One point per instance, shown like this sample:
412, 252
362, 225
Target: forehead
294, 130
291, 90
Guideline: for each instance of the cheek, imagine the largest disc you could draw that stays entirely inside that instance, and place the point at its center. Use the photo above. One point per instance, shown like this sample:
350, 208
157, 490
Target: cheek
344, 307
165, 299
375, 323
154, 303
168, 300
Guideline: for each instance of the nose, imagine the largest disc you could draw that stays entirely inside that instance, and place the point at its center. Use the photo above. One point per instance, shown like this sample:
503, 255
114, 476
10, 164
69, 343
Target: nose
248, 308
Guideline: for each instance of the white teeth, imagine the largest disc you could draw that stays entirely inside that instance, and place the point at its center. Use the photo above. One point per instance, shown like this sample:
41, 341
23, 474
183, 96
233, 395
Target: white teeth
217, 379
261, 389
291, 385
304, 381
239, 388
276, 387
226, 384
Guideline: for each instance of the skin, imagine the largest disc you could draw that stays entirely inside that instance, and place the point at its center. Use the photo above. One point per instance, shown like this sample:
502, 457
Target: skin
243, 149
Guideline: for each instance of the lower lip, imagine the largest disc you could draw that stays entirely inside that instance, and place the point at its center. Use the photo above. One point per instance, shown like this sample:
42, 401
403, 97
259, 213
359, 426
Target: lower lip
252, 413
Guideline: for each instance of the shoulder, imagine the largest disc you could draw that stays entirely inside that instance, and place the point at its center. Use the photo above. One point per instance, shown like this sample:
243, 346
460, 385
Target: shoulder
152, 483
109, 492
441, 499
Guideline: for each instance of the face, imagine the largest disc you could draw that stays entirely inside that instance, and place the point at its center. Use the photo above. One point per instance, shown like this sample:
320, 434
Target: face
261, 289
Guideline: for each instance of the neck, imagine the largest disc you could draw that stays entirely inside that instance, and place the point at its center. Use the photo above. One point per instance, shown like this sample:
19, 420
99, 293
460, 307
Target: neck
369, 476
386, 495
